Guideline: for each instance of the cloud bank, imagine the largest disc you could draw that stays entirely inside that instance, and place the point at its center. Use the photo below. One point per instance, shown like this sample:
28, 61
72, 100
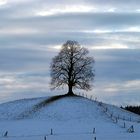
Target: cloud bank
32, 31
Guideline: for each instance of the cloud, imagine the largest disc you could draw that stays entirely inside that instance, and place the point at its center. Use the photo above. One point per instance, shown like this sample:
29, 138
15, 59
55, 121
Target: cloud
118, 92
24, 59
3, 2
29, 73
132, 86
111, 46
32, 32
62, 27
115, 64
67, 9
119, 4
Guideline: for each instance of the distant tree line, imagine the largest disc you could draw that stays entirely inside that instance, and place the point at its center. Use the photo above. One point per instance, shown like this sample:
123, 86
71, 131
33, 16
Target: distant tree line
134, 109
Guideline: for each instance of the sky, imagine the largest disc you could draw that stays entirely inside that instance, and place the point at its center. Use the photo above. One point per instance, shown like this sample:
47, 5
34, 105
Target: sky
33, 31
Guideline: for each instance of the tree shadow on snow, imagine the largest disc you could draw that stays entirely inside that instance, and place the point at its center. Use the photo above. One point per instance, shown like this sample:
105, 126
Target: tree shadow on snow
28, 113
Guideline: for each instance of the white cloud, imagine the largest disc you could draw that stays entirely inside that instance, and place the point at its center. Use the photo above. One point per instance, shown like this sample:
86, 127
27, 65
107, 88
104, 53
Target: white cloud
98, 31
133, 29
3, 2
13, 83
19, 1
111, 46
66, 9
111, 10
138, 10
130, 85
102, 31
7, 80
57, 47
18, 31
118, 91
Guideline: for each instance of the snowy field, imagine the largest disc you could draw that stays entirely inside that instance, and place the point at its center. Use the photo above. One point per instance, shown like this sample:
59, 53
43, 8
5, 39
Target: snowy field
69, 118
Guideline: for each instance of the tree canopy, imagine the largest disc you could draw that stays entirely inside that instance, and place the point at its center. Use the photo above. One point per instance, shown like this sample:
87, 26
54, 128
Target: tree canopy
72, 67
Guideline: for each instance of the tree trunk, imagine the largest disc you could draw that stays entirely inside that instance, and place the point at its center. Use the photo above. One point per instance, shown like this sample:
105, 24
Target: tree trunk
70, 92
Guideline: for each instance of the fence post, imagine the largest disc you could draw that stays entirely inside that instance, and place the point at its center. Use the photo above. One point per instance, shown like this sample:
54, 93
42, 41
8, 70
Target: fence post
45, 138
124, 125
116, 120
5, 134
51, 131
111, 115
94, 131
94, 138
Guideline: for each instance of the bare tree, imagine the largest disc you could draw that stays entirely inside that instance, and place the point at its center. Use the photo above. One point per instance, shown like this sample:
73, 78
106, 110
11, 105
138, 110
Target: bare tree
72, 67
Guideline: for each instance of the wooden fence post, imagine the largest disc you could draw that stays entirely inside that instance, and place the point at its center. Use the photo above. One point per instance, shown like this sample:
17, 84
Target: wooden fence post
94, 131
5, 134
51, 131
116, 120
111, 115
45, 138
124, 125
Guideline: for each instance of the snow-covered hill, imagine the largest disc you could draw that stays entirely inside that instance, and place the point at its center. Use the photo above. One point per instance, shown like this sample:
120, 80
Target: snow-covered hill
70, 118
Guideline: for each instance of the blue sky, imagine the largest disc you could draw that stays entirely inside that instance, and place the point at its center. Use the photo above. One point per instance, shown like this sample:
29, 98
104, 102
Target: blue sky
32, 32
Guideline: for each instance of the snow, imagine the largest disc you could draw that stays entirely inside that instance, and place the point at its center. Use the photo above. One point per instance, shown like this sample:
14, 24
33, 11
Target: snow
12, 109
70, 118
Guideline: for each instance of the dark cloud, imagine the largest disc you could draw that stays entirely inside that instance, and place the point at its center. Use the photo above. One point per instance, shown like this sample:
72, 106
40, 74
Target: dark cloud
35, 31
84, 21
119, 3
117, 64
23, 59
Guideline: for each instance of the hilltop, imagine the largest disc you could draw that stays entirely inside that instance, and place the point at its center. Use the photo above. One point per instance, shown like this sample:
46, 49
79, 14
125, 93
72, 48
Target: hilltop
73, 117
